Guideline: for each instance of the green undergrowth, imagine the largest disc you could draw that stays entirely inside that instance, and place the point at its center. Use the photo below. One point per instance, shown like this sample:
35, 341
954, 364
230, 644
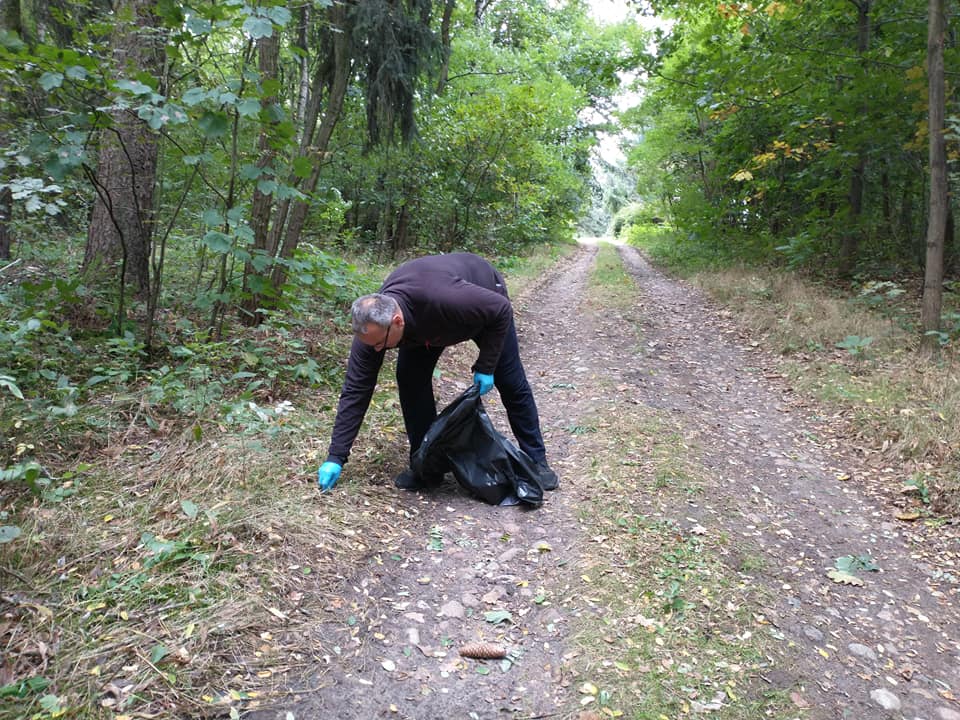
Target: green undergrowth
673, 624
855, 349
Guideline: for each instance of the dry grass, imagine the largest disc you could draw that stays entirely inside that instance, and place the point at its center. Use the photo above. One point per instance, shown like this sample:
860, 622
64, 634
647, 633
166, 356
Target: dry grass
900, 402
798, 314
173, 578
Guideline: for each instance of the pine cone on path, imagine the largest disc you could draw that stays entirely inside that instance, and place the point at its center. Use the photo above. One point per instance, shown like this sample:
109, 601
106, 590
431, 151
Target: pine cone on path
483, 651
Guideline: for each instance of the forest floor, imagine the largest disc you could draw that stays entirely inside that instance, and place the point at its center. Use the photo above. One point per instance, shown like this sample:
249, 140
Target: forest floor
680, 568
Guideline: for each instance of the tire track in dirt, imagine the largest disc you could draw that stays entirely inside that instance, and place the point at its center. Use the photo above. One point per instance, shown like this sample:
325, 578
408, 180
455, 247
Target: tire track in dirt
388, 644
889, 649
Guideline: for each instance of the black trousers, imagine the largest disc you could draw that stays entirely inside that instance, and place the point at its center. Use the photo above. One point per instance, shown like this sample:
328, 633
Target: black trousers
415, 368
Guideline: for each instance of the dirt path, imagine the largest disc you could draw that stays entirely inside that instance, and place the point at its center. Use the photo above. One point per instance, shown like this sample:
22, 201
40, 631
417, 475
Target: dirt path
452, 568
888, 649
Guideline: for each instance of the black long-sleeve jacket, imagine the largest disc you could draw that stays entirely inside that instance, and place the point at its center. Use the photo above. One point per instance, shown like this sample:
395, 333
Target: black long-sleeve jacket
445, 300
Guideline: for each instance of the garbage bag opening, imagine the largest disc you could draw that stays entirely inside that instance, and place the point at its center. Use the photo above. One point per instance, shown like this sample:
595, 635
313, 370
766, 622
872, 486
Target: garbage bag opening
463, 440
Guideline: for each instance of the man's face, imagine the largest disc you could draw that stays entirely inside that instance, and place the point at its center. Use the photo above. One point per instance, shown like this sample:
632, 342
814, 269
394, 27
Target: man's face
380, 338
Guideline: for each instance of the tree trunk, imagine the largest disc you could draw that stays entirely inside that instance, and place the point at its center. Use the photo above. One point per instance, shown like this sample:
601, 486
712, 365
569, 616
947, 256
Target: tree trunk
121, 224
937, 224
268, 49
445, 45
338, 80
6, 208
850, 245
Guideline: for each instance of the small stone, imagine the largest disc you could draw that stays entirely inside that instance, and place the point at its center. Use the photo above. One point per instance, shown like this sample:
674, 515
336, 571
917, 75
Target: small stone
945, 713
510, 528
862, 651
469, 600
812, 633
885, 699
508, 555
452, 609
493, 597
413, 636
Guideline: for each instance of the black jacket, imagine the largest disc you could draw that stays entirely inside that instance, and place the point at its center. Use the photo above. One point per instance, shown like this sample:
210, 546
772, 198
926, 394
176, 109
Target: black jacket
445, 299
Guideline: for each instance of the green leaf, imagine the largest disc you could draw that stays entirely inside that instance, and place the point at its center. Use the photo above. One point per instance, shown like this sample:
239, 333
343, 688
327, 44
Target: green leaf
483, 670
198, 26
11, 385
249, 107
212, 217
189, 508
267, 187
250, 171
213, 125
9, 533
217, 241
134, 87
51, 80
77, 72
261, 261
158, 653
10, 41
155, 117
302, 167
852, 563
279, 14
258, 27
170, 11
194, 96
23, 688
50, 703
498, 616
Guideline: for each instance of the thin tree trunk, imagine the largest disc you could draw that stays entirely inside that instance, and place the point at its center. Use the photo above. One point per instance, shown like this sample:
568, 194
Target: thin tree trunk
121, 224
850, 245
6, 208
445, 45
937, 224
269, 56
339, 82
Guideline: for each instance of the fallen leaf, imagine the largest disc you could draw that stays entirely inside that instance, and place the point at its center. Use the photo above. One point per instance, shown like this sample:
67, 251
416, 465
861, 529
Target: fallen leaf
908, 515
843, 578
497, 616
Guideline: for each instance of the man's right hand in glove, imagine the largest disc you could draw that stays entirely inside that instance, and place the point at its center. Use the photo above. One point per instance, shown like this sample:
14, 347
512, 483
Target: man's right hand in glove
327, 475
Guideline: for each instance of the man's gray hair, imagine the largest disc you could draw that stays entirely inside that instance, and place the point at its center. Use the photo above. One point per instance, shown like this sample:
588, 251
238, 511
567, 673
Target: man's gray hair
375, 309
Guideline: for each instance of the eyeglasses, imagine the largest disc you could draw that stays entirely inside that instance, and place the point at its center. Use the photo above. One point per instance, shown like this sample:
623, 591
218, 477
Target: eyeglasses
380, 346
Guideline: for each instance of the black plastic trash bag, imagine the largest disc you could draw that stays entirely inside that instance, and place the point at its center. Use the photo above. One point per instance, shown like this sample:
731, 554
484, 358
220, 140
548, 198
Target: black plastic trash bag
462, 440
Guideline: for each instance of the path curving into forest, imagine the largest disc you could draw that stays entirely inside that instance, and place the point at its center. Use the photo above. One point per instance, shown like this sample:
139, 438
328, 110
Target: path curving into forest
387, 646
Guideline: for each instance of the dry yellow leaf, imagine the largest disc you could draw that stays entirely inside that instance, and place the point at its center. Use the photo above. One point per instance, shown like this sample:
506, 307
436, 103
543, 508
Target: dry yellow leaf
843, 578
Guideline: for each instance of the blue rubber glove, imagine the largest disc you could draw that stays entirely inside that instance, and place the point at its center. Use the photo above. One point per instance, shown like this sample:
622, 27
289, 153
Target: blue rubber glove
484, 381
327, 475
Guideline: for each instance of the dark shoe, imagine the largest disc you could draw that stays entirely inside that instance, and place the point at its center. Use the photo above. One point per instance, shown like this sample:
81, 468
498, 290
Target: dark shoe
548, 478
407, 480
